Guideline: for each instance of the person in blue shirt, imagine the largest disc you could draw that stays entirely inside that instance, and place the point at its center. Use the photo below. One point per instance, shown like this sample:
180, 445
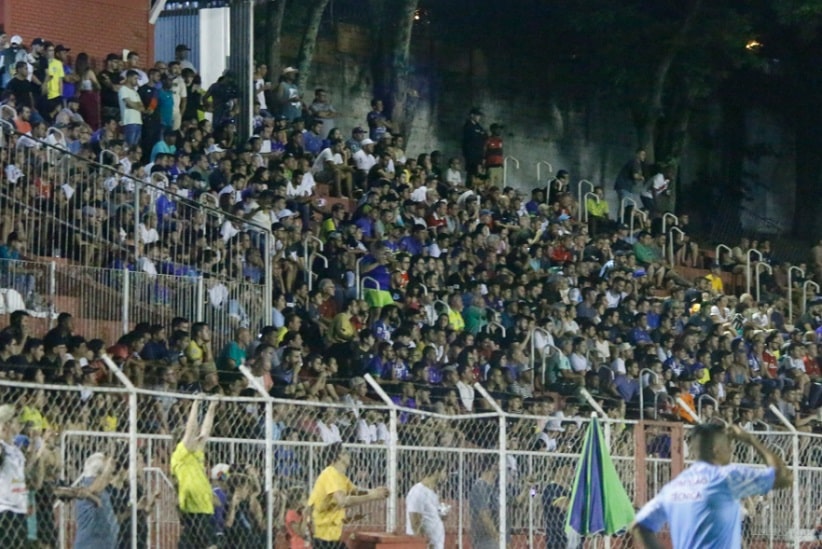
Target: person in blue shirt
167, 145
702, 505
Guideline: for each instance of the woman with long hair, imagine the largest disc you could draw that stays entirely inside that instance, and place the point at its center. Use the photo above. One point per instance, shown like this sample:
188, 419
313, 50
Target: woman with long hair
89, 91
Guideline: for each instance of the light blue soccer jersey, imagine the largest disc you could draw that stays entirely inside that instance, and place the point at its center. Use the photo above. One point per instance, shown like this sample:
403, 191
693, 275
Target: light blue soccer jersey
701, 505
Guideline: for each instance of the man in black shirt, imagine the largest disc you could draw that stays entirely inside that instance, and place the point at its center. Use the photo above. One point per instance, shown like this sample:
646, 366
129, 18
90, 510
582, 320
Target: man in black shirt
109, 80
473, 141
20, 86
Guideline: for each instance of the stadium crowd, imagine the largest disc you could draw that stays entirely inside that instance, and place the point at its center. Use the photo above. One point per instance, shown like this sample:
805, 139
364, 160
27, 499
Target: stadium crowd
465, 280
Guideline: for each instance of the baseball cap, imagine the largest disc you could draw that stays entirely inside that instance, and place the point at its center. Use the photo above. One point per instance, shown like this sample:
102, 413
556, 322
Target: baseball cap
38, 42
220, 471
181, 47
61, 47
16, 39
366, 141
358, 129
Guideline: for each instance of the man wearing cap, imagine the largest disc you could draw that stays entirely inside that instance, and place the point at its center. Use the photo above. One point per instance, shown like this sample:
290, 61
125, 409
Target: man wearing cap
473, 142
23, 89
181, 56
37, 59
13, 492
9, 58
364, 159
110, 80
289, 98
354, 143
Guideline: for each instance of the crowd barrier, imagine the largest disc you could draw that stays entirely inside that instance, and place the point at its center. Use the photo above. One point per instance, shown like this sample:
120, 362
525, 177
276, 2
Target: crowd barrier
281, 442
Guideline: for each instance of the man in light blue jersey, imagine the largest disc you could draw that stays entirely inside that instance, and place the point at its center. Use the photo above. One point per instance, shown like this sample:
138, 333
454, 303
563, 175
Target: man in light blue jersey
701, 505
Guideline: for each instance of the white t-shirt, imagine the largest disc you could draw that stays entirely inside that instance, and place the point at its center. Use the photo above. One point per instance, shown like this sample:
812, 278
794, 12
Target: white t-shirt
423, 500
364, 161
325, 156
13, 494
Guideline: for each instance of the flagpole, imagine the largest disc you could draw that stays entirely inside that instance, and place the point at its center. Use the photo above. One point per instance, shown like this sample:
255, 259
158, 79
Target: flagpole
607, 435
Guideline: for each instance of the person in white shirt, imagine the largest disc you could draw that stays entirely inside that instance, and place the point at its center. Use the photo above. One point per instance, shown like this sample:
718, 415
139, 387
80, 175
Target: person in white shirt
465, 387
327, 427
423, 511
364, 157
453, 174
13, 493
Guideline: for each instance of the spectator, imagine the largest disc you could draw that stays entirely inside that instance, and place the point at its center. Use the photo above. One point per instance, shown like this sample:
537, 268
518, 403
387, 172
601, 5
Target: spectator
332, 495
194, 491
97, 525
473, 142
423, 511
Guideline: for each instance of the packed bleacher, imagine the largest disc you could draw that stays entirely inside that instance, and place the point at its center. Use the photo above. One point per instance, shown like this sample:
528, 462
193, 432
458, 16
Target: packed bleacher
420, 270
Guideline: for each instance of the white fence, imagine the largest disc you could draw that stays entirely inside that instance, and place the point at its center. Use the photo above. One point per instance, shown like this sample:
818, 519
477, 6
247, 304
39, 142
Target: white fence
280, 442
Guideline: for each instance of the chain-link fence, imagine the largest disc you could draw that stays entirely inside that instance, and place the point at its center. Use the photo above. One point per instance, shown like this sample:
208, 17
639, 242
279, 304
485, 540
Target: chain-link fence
503, 480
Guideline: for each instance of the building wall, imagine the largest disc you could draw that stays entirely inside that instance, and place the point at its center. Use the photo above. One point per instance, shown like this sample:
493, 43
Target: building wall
97, 27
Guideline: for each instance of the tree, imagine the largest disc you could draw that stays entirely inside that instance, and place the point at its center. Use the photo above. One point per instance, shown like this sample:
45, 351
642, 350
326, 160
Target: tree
391, 32
309, 41
275, 13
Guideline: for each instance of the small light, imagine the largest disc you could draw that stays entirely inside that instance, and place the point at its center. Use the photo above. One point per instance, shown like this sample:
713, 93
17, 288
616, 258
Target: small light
753, 45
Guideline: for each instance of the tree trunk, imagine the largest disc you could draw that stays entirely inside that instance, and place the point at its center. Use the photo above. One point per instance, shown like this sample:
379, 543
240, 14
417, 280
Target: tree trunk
403, 97
275, 12
309, 43
649, 117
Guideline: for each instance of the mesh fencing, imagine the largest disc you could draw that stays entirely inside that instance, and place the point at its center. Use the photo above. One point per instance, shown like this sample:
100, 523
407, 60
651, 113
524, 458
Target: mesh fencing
62, 427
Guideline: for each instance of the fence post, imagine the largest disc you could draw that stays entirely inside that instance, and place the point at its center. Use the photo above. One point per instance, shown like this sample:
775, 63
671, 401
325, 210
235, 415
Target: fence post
126, 298
795, 463
199, 313
132, 443
52, 293
503, 464
269, 280
391, 507
269, 452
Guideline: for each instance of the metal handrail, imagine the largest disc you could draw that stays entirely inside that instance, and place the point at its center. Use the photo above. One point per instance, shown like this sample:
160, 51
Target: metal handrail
497, 324
699, 403
585, 204
657, 396
447, 306
361, 288
102, 156
308, 238
310, 268
790, 289
357, 274
748, 267
720, 247
581, 185
533, 342
626, 200
665, 217
758, 269
805, 293
642, 391
539, 169
505, 168
424, 288
545, 358
674, 229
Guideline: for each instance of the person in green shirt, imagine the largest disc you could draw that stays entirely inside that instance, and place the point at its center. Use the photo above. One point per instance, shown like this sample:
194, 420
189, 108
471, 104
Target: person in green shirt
475, 316
233, 354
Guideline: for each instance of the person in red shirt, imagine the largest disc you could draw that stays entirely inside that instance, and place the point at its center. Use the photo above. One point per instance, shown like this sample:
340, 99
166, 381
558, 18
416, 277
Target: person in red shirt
296, 528
494, 156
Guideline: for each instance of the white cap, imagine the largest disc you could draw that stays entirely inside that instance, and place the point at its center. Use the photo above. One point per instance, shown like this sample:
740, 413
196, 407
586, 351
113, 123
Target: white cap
555, 425
366, 141
220, 471
16, 39
214, 149
285, 213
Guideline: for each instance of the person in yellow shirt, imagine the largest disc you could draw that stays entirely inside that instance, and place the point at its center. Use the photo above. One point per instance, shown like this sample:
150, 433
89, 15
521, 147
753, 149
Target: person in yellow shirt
53, 84
194, 495
455, 318
715, 278
332, 494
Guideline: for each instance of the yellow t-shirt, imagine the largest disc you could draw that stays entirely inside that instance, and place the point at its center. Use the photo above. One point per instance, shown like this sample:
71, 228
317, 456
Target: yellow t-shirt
194, 353
54, 87
34, 417
716, 283
193, 489
327, 517
455, 320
